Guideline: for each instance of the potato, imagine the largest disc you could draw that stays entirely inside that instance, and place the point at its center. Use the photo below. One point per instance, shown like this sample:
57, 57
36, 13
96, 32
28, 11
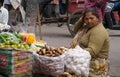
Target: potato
52, 55
47, 48
50, 52
59, 51
44, 51
48, 55
52, 48
39, 53
53, 52
57, 54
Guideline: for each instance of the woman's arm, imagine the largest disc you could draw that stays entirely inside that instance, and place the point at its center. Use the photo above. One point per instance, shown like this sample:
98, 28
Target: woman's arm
96, 41
77, 25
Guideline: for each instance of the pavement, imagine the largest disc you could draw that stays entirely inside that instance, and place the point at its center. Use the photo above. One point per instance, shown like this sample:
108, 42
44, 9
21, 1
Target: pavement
114, 53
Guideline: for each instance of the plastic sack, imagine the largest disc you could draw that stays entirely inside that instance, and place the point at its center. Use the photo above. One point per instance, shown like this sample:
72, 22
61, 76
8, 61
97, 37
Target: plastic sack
4, 26
48, 65
77, 61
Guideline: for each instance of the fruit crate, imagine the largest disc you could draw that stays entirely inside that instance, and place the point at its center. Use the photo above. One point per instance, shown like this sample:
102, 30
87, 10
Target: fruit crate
15, 63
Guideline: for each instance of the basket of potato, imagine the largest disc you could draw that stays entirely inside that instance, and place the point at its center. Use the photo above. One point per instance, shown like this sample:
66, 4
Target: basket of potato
49, 61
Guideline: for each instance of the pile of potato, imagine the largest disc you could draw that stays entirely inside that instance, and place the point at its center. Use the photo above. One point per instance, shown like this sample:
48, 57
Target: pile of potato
51, 51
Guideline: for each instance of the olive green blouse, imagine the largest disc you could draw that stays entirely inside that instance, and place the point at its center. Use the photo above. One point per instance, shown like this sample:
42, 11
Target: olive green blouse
96, 41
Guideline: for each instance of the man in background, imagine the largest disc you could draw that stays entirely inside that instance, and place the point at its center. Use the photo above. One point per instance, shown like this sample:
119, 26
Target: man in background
7, 4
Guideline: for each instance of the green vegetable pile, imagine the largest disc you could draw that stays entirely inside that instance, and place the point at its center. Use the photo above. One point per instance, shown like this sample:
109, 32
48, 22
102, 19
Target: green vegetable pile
5, 36
12, 40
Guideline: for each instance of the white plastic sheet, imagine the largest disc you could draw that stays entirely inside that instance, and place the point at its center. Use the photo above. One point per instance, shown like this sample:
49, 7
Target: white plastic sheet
4, 26
77, 61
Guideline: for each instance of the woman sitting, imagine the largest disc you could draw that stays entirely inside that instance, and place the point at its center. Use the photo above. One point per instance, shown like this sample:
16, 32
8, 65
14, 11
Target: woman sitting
93, 37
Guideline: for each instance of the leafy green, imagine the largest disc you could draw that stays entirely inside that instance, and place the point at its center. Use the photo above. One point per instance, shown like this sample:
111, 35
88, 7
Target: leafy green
2, 39
5, 36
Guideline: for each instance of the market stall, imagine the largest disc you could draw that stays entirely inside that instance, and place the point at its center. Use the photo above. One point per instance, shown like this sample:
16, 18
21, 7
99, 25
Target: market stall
62, 62
22, 55
16, 53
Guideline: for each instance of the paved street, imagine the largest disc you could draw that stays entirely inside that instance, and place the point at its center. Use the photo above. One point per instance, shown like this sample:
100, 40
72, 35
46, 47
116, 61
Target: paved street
114, 53
60, 36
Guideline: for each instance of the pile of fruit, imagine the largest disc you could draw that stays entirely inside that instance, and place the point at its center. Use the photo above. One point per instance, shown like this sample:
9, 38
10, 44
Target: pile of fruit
13, 41
14, 45
28, 37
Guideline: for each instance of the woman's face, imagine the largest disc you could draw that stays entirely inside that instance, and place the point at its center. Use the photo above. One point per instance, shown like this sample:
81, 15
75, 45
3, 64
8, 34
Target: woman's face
91, 20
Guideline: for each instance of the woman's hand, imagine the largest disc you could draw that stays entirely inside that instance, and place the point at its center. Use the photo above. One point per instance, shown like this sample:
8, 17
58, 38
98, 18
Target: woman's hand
73, 43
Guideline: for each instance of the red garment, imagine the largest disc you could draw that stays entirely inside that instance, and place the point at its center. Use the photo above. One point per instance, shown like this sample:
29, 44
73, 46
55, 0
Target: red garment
99, 4
55, 1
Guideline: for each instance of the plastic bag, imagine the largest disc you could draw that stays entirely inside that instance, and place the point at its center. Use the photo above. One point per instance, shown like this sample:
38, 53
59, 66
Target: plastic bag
77, 61
4, 26
48, 65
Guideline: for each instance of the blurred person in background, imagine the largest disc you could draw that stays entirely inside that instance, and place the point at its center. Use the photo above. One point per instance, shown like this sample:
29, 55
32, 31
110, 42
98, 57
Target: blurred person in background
4, 15
8, 6
49, 8
100, 5
56, 4
115, 14
63, 6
